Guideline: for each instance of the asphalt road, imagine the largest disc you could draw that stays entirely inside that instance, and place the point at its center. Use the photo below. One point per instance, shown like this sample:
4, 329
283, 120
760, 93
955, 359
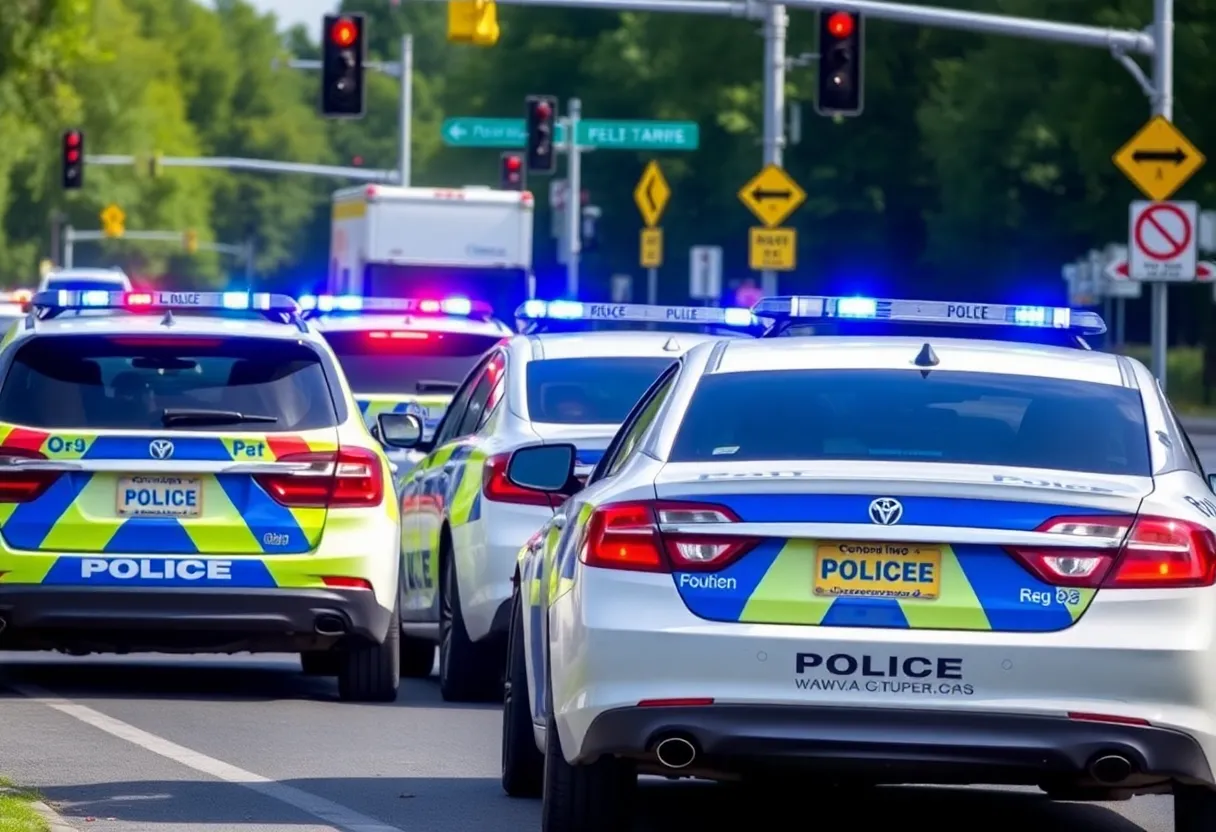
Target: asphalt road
163, 744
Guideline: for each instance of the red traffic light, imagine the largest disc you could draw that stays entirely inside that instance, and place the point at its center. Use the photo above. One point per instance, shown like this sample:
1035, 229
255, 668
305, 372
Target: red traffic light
73, 155
543, 110
72, 139
514, 163
344, 33
840, 25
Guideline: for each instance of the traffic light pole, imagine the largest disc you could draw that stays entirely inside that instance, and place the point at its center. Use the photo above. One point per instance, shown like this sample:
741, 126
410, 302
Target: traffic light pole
71, 236
776, 28
574, 197
257, 165
403, 69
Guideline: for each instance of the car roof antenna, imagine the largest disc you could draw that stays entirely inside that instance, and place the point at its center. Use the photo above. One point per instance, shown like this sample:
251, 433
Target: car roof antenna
168, 320
926, 358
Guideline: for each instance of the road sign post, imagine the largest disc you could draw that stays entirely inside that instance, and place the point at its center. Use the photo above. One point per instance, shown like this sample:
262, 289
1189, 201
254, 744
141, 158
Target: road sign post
705, 273
574, 205
651, 196
772, 196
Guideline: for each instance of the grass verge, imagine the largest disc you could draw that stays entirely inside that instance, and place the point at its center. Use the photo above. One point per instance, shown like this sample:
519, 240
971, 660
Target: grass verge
16, 813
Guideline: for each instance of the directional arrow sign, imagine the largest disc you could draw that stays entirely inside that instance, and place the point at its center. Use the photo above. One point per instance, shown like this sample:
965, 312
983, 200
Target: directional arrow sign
1205, 270
511, 133
1159, 159
652, 194
772, 195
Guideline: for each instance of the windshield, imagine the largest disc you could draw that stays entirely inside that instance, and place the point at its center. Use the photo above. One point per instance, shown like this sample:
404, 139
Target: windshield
589, 391
378, 363
153, 382
896, 415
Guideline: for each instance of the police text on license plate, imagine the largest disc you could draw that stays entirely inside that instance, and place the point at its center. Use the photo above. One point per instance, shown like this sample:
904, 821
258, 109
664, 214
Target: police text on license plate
878, 570
153, 496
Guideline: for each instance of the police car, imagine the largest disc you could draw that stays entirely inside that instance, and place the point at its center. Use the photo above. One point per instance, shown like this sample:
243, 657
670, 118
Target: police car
462, 522
405, 355
186, 472
924, 559
13, 307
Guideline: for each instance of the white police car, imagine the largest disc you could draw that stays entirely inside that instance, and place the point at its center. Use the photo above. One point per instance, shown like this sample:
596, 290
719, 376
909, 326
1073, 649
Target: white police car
187, 472
462, 522
938, 558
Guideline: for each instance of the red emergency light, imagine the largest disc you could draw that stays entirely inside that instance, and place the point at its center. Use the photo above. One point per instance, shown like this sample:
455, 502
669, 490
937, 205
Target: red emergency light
514, 163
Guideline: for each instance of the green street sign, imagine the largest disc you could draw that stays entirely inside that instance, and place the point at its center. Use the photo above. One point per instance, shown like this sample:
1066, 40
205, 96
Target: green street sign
509, 133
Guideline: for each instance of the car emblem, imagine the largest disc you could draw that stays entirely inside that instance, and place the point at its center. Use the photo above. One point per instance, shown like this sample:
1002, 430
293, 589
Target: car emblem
160, 449
886, 511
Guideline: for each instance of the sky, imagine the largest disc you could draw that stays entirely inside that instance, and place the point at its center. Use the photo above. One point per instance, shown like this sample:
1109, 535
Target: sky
290, 12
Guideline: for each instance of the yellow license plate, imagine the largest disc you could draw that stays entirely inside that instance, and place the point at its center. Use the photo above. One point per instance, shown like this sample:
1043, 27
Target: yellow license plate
878, 570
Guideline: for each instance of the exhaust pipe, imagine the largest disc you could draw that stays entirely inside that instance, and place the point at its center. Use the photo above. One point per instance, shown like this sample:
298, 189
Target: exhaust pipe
329, 624
1111, 769
676, 752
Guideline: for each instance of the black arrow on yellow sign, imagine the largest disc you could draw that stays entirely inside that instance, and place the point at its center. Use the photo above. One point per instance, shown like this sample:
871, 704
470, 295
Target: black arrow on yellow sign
1177, 156
761, 195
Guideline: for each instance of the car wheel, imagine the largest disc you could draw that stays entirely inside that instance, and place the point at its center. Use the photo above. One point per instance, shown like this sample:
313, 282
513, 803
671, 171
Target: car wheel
594, 797
372, 672
467, 672
523, 766
320, 662
1194, 809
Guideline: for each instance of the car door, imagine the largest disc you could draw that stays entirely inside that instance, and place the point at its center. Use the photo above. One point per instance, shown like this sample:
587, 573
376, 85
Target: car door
559, 553
444, 484
421, 567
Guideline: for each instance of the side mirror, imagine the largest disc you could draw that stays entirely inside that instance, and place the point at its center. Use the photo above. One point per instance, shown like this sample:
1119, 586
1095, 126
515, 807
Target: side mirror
548, 468
399, 430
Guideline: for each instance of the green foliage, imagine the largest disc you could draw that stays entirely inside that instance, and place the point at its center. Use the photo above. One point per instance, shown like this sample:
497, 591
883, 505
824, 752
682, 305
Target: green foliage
971, 150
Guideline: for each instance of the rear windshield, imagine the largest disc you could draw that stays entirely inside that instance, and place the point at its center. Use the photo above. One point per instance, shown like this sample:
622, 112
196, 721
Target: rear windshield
129, 382
897, 415
85, 285
403, 361
589, 391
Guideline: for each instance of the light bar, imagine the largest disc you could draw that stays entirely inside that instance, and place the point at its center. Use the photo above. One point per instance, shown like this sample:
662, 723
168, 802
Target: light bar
208, 301
329, 304
812, 308
571, 310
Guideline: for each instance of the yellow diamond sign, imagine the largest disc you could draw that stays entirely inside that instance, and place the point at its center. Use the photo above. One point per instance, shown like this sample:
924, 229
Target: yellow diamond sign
652, 194
1159, 159
113, 221
772, 195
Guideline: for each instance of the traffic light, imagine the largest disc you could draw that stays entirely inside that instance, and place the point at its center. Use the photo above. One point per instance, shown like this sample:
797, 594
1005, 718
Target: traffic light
512, 172
473, 21
342, 55
541, 121
840, 63
73, 160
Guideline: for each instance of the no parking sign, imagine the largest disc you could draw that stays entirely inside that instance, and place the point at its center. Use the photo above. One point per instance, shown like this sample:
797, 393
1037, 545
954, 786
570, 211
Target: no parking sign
1162, 241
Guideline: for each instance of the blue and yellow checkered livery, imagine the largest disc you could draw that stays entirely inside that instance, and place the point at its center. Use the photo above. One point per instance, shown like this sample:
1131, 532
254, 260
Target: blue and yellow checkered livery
924, 586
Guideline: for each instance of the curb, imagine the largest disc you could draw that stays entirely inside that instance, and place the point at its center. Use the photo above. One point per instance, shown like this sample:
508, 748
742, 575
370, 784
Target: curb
53, 819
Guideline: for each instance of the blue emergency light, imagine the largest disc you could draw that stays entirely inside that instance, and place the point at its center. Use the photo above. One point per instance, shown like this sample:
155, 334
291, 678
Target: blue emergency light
535, 311
808, 309
355, 304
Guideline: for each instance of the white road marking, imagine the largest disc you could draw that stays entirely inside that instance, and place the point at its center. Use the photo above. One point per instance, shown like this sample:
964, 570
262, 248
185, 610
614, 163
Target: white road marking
338, 816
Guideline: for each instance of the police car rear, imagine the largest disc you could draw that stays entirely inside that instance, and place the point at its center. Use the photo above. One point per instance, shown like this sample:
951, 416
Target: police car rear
194, 478
405, 355
930, 561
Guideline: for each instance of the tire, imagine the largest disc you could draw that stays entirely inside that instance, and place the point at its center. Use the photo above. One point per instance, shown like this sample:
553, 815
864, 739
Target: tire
598, 797
320, 663
467, 669
1194, 809
417, 657
372, 672
523, 766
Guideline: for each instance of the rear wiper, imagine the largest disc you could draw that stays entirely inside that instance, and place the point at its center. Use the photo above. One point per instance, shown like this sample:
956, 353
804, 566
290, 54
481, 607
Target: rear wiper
436, 386
188, 416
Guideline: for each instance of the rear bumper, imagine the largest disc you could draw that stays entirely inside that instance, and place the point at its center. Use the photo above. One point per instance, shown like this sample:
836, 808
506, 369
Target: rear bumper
895, 743
137, 619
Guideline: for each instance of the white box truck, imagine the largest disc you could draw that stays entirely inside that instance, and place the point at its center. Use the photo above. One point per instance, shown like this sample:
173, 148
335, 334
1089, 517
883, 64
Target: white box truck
433, 242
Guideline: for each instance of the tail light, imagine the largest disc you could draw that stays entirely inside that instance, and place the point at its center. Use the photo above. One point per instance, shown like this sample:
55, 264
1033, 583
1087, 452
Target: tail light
348, 478
19, 484
1156, 553
497, 488
628, 536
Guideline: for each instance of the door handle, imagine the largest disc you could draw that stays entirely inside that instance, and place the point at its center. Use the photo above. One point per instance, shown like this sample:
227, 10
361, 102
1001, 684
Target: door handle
449, 467
559, 522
